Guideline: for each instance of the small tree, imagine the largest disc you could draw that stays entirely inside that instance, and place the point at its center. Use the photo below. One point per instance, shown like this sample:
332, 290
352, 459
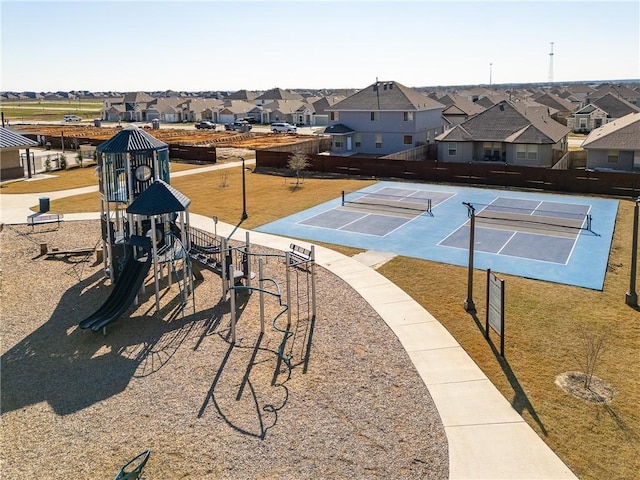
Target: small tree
591, 348
298, 162
79, 158
47, 163
63, 162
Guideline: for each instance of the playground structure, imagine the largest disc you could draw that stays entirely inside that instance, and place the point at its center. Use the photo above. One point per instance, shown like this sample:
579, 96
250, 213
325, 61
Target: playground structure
237, 266
145, 224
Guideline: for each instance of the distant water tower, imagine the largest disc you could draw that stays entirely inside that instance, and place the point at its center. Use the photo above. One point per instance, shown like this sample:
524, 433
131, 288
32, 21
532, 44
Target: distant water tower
551, 64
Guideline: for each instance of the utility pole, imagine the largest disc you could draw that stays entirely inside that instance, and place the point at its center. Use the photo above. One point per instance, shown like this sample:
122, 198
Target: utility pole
490, 73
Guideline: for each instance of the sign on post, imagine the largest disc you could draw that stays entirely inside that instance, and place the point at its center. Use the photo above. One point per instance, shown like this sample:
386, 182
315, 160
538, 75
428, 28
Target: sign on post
495, 307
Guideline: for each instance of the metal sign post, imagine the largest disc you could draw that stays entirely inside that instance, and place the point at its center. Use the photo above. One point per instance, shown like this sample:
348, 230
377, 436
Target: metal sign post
631, 297
495, 308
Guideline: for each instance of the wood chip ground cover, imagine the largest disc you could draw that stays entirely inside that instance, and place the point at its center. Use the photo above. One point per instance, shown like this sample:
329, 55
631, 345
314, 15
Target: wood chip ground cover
78, 401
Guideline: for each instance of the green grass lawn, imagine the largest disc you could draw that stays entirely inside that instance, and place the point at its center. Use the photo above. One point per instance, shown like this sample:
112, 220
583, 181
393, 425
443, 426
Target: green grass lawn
544, 321
44, 110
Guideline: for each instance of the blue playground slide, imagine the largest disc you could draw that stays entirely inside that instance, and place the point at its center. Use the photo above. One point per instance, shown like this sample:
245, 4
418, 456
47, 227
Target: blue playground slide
123, 294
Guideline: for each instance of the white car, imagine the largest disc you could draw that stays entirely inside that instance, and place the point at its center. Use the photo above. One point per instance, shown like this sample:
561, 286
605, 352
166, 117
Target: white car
72, 118
283, 128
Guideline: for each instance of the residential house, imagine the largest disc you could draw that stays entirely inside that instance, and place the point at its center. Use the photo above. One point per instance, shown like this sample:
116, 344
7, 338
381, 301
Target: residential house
599, 112
296, 112
506, 132
276, 94
10, 145
244, 95
320, 106
458, 108
128, 108
231, 110
562, 107
383, 118
616, 145
620, 91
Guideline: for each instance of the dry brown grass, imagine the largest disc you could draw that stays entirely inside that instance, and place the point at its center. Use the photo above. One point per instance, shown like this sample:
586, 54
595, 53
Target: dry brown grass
268, 197
543, 326
75, 177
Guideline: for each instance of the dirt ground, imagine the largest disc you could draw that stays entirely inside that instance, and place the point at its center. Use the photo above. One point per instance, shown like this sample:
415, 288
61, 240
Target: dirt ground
79, 404
250, 140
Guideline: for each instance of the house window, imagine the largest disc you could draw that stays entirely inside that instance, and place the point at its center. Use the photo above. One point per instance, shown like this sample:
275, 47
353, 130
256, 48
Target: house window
612, 156
582, 123
357, 139
526, 152
375, 116
337, 142
378, 140
335, 116
408, 116
453, 149
407, 139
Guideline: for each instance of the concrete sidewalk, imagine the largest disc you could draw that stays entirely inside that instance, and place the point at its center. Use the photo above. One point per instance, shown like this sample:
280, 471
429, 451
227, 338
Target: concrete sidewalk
487, 438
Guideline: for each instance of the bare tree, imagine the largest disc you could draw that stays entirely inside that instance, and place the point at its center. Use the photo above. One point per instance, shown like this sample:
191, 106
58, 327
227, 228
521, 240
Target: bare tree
591, 348
298, 161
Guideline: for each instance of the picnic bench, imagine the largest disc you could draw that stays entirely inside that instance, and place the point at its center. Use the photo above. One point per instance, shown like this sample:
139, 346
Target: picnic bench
298, 255
42, 218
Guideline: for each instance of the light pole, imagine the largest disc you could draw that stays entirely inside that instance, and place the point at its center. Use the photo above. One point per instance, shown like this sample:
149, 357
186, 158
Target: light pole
631, 297
244, 194
469, 304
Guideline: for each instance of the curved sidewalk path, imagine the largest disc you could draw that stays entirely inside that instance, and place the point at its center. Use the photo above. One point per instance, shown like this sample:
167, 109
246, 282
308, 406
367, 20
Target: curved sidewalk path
488, 439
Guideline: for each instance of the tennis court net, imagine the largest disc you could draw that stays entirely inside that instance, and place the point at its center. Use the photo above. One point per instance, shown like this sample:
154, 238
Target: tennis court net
386, 202
538, 219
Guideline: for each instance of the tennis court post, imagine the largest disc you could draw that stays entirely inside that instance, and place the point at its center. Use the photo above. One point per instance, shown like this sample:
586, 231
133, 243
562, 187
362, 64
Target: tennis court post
469, 305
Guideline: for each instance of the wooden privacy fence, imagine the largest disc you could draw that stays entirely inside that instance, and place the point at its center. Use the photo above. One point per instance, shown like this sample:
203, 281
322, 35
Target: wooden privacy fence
622, 184
176, 151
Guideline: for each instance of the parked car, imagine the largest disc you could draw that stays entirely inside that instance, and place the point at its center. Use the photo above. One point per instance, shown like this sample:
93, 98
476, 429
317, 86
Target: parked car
281, 127
250, 120
238, 126
206, 124
72, 118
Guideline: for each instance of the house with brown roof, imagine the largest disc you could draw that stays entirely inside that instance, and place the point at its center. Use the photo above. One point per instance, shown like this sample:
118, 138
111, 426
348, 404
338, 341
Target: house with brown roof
508, 133
276, 94
600, 112
616, 145
295, 112
383, 118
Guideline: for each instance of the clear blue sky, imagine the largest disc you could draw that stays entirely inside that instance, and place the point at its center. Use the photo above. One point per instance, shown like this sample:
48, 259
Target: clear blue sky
216, 45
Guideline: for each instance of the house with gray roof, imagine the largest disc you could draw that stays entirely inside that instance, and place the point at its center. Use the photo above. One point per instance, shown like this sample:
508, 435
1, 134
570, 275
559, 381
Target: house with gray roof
600, 112
506, 132
458, 108
383, 118
562, 107
10, 145
616, 145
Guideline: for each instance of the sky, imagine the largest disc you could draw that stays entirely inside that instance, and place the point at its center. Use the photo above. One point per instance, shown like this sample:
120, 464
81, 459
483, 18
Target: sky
156, 45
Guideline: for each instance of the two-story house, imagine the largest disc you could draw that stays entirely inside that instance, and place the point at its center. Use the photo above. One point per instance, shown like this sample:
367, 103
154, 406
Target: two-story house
383, 118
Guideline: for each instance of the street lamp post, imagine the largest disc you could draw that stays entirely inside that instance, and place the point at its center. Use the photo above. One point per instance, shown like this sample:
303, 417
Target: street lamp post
469, 304
631, 297
244, 194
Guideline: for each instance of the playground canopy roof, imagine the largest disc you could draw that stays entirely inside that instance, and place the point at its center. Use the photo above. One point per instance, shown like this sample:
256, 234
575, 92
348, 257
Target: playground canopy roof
131, 139
159, 198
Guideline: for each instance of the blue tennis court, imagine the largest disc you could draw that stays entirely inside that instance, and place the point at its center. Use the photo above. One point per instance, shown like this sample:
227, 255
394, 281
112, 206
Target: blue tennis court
551, 237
